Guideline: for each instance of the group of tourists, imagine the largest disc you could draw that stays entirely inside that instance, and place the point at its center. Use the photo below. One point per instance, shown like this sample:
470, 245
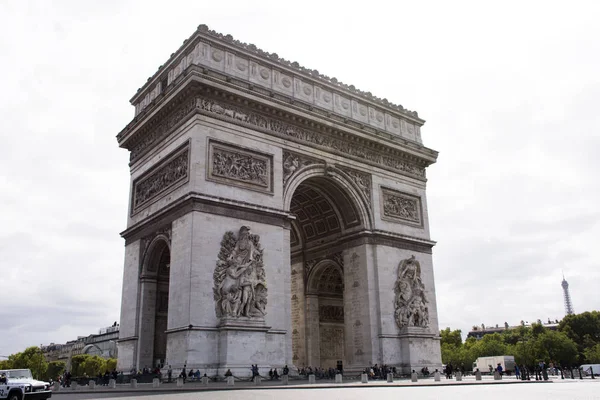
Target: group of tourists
379, 372
319, 372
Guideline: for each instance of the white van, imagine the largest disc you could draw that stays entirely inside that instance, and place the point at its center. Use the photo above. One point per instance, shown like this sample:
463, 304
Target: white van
587, 369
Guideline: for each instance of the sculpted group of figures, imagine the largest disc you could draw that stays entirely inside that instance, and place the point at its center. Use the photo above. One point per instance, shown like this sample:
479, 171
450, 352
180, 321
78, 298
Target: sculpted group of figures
240, 286
410, 302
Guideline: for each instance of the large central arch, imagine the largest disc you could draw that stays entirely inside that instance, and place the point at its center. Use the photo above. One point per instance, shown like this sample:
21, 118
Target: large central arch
328, 211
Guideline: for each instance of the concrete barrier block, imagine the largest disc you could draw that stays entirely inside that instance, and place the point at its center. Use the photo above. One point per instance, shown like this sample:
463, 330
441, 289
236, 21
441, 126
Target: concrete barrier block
155, 382
497, 376
414, 377
364, 378
257, 380
230, 381
285, 379
180, 382
437, 376
92, 384
390, 377
205, 380
458, 376
74, 385
338, 378
56, 386
112, 384
311, 379
478, 375
133, 384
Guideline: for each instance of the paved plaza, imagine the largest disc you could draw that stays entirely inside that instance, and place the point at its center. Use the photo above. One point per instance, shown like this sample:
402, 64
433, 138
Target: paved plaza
425, 389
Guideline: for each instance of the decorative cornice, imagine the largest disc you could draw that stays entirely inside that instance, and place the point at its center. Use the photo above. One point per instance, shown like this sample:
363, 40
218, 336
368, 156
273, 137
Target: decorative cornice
200, 99
203, 34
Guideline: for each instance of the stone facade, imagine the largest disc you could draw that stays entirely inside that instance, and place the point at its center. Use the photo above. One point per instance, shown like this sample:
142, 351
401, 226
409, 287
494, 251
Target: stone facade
277, 216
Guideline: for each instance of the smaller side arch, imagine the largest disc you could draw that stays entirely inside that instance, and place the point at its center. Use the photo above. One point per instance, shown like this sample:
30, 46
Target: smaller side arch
315, 274
150, 256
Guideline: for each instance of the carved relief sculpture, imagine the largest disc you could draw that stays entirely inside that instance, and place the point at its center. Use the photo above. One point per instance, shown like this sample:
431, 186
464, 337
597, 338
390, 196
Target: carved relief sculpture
167, 175
410, 303
240, 287
401, 206
240, 167
293, 162
362, 180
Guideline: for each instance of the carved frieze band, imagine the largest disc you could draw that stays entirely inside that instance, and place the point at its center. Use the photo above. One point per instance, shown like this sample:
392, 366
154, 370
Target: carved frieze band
362, 180
236, 166
401, 207
236, 114
170, 173
292, 162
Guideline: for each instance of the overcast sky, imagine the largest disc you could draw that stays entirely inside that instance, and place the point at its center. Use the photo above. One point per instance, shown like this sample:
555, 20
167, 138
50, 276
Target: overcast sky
510, 91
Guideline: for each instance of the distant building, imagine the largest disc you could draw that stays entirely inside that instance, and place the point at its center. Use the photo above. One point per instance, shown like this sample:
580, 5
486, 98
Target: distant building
568, 304
479, 332
103, 344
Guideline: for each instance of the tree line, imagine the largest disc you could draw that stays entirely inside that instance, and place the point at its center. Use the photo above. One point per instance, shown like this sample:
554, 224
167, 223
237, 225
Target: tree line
81, 365
575, 342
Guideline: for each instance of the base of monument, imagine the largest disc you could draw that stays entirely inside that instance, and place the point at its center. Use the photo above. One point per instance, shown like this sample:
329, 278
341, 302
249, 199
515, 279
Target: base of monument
243, 324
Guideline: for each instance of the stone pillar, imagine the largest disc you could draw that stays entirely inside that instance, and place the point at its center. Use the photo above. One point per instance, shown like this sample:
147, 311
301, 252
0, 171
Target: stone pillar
311, 379
92, 384
390, 377
436, 376
230, 381
133, 384
112, 384
338, 378
364, 378
313, 341
478, 375
146, 323
298, 302
459, 376
155, 382
414, 377
205, 380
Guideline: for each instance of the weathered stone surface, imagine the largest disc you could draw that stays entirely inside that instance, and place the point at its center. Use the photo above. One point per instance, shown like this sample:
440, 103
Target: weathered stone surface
331, 182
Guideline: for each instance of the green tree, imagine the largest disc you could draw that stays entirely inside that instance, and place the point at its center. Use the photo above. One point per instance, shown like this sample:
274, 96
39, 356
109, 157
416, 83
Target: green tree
489, 345
583, 329
55, 369
451, 337
592, 354
32, 358
93, 365
111, 364
76, 364
552, 346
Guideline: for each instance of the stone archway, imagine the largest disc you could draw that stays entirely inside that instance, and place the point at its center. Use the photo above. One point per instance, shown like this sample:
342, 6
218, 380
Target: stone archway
328, 212
154, 307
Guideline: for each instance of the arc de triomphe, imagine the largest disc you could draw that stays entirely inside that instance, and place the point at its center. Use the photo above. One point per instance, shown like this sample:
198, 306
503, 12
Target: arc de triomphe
277, 216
